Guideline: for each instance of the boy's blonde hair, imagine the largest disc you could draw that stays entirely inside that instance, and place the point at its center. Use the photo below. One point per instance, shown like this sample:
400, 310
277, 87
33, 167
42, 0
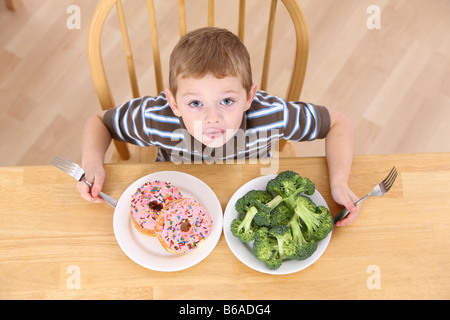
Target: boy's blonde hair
210, 50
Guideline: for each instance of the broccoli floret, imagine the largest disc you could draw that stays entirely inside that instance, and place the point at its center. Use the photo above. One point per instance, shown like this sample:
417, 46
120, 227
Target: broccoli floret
304, 249
263, 217
262, 247
308, 186
244, 229
280, 215
244, 203
318, 225
326, 222
271, 246
288, 184
286, 247
261, 201
274, 262
307, 203
265, 248
284, 184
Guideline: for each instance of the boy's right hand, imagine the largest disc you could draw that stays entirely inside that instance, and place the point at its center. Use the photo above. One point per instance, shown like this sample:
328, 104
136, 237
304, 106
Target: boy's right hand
96, 176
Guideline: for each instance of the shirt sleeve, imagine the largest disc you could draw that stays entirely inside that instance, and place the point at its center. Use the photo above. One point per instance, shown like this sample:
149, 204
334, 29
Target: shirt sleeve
126, 122
305, 121
295, 120
146, 121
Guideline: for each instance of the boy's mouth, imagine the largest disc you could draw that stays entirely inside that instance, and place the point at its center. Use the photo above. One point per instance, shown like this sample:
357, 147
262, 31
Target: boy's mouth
213, 133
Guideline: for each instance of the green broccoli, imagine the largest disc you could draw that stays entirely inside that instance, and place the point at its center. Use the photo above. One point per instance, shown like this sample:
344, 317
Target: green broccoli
274, 262
288, 184
262, 247
281, 215
307, 203
244, 229
265, 249
260, 200
244, 203
317, 220
286, 247
282, 221
304, 249
326, 222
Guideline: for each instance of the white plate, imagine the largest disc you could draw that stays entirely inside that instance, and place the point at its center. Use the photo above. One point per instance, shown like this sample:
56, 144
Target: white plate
244, 252
147, 251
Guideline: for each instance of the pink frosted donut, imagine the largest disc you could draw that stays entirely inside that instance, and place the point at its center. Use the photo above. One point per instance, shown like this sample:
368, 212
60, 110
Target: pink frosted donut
182, 225
148, 201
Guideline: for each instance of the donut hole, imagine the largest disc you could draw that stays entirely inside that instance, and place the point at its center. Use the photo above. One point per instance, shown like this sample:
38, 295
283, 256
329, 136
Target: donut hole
185, 226
155, 205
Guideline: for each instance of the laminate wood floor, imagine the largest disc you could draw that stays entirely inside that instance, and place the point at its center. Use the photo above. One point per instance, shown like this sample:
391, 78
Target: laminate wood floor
393, 81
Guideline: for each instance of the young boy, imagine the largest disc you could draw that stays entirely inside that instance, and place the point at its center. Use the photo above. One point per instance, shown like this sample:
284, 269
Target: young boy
212, 111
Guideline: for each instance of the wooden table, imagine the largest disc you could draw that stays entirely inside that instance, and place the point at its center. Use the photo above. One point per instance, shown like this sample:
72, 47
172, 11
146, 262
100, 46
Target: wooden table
54, 245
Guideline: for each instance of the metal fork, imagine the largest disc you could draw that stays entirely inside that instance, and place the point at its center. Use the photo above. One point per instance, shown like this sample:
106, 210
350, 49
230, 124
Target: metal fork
379, 190
77, 172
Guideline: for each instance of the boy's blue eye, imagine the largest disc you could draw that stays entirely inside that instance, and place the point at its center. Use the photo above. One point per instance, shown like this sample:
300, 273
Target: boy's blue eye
195, 104
227, 101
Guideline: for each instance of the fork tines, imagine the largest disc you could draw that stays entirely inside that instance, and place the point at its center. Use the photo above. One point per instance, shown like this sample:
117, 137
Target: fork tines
63, 164
389, 180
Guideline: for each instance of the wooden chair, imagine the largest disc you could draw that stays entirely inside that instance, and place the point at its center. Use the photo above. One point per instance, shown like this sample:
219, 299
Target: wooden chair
102, 86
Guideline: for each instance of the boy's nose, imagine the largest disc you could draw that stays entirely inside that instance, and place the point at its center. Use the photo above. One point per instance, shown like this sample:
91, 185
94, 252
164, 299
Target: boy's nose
213, 116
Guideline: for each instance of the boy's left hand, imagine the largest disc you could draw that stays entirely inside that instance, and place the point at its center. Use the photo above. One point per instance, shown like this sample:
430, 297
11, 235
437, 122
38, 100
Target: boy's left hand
344, 196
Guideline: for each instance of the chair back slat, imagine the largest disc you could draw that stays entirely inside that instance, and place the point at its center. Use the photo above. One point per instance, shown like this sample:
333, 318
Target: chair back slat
155, 46
302, 50
210, 13
241, 24
269, 41
96, 65
182, 17
128, 52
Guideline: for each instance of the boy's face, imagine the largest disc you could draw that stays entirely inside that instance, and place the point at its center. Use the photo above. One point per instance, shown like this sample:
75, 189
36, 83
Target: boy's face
211, 108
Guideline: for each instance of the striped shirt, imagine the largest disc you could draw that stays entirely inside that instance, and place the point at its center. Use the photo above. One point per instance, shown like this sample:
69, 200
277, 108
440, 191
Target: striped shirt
149, 121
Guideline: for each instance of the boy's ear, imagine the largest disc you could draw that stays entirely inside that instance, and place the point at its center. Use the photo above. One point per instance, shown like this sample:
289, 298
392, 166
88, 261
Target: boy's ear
172, 102
251, 96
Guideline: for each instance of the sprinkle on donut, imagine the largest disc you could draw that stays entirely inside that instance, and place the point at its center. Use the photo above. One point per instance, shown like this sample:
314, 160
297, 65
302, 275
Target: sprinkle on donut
182, 225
